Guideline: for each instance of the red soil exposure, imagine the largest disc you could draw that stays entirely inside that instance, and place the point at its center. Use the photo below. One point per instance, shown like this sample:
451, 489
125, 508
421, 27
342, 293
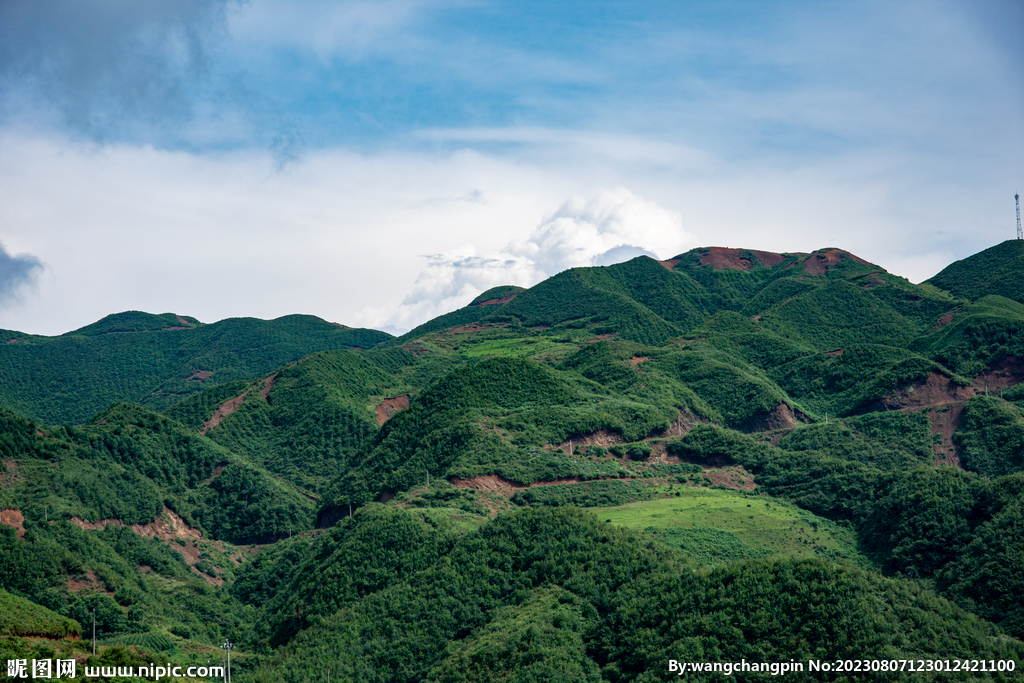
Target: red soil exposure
472, 328
819, 262
837, 352
390, 406
497, 484
937, 389
601, 437
502, 300
724, 258
13, 341
779, 417
232, 404
14, 518
945, 420
12, 470
183, 321
682, 425
946, 319
200, 375
670, 264
946, 399
216, 473
145, 569
1006, 373
637, 360
91, 584
168, 527
415, 350
733, 477
268, 384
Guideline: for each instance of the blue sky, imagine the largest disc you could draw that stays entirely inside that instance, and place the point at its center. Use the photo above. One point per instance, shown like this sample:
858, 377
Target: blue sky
378, 163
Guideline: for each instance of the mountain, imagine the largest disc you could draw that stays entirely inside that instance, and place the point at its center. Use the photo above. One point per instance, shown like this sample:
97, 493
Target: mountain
994, 271
731, 454
154, 360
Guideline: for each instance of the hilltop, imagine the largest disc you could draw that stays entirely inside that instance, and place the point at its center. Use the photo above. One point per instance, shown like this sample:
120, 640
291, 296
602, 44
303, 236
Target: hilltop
577, 480
155, 360
994, 271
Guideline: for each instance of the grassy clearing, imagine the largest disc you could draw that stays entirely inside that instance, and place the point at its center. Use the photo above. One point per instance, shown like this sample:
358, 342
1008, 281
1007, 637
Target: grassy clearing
715, 526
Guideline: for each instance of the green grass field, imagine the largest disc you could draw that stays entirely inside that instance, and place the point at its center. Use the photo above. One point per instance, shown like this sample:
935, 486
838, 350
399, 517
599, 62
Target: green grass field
714, 526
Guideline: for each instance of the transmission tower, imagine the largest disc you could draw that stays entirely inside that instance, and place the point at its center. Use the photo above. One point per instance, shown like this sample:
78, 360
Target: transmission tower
1020, 234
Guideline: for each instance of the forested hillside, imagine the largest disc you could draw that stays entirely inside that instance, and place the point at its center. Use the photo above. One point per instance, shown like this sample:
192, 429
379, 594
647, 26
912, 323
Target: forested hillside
728, 455
154, 360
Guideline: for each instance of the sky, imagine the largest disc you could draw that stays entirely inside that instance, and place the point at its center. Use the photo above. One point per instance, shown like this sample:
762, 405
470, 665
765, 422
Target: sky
380, 163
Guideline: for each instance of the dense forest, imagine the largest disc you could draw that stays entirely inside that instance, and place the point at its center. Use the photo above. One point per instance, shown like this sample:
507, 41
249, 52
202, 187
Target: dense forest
729, 456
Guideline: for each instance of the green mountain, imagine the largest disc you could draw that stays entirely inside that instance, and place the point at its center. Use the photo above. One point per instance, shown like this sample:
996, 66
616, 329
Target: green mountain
728, 455
994, 271
154, 360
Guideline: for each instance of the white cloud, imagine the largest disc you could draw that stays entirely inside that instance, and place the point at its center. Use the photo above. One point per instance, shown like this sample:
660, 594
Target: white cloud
610, 226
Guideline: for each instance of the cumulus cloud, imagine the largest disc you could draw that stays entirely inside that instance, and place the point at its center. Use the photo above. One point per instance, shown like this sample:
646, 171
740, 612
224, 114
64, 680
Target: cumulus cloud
16, 273
609, 227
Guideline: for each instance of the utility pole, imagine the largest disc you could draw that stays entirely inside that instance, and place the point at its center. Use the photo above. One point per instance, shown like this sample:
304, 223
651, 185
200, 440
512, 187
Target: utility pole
227, 648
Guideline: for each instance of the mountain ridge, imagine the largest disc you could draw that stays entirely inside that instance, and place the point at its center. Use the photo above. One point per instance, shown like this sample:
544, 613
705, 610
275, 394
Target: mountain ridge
566, 478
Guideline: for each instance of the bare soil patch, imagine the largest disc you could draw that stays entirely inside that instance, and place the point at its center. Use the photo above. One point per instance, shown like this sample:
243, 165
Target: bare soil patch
463, 329
1006, 373
946, 319
601, 437
945, 398
14, 518
724, 258
937, 389
779, 417
200, 375
415, 350
837, 352
169, 526
670, 264
90, 583
268, 384
502, 300
497, 484
733, 477
600, 337
232, 404
637, 360
216, 473
819, 262
223, 410
390, 406
945, 420
11, 472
